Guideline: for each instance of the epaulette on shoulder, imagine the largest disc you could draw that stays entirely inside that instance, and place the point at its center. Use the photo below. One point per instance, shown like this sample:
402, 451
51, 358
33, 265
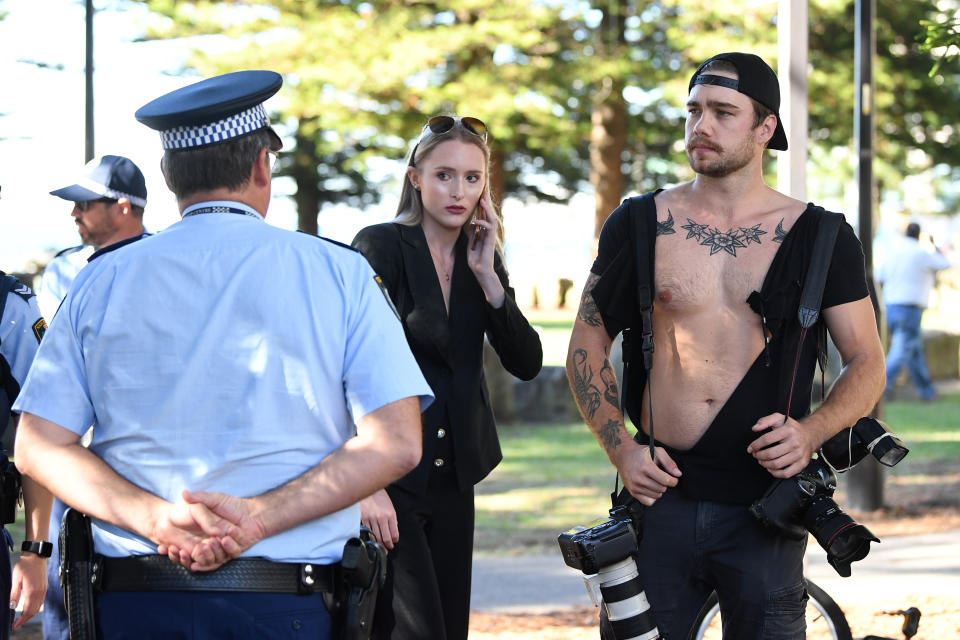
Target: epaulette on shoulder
68, 251
13, 285
330, 240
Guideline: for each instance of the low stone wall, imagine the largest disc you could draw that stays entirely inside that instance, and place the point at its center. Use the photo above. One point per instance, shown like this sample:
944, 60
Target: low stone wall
942, 351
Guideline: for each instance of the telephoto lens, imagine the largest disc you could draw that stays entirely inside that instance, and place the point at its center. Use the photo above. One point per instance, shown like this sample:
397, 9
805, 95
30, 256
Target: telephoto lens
605, 552
626, 603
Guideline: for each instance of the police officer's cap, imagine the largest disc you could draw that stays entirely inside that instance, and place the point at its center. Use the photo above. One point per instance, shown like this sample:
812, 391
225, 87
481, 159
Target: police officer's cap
107, 177
213, 110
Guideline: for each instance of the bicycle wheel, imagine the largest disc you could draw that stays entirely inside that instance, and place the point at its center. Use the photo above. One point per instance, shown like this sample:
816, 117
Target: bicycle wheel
825, 619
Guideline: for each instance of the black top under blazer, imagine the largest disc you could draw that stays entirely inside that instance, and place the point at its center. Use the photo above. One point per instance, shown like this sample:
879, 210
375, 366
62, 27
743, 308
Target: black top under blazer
450, 350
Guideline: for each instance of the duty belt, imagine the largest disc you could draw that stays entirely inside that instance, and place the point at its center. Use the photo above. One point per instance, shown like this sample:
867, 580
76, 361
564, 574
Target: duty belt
158, 573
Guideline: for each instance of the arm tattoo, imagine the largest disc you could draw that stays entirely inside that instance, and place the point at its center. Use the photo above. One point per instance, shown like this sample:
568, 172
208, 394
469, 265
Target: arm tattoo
610, 391
610, 435
588, 312
587, 393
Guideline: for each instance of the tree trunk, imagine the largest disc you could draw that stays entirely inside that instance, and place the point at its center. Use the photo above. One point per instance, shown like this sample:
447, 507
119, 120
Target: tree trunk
608, 140
303, 170
497, 179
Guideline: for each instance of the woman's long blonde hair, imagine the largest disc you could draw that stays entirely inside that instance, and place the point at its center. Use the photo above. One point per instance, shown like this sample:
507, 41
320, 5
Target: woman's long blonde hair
410, 209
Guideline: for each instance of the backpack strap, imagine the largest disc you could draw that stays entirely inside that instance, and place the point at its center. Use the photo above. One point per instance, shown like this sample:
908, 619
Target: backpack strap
642, 212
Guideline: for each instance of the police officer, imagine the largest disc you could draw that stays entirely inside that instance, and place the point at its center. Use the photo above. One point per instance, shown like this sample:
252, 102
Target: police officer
247, 386
21, 328
108, 201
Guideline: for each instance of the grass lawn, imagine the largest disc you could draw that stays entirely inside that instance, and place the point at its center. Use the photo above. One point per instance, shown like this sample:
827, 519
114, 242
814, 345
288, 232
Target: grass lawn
556, 476
554, 337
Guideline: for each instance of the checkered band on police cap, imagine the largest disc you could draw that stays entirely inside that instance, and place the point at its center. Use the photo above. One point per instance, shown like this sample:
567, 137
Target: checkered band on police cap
230, 127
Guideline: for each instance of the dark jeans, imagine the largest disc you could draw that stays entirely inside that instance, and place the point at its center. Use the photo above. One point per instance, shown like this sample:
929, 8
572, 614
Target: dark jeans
691, 548
210, 615
427, 593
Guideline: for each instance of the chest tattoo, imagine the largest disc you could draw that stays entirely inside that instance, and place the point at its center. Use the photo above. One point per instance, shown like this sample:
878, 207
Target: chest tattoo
665, 228
779, 233
726, 241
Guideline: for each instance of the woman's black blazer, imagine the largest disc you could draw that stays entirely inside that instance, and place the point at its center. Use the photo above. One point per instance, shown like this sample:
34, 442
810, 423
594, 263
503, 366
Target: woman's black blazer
450, 350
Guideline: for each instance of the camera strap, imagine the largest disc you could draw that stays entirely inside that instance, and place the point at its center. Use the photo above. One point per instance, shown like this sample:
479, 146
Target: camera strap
811, 296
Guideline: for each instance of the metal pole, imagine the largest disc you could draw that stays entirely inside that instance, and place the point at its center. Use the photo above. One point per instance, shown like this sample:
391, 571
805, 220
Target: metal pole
865, 486
792, 46
88, 74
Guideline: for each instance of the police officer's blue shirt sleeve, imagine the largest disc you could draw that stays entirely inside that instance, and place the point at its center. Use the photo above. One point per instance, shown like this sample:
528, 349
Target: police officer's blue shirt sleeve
20, 331
55, 388
379, 367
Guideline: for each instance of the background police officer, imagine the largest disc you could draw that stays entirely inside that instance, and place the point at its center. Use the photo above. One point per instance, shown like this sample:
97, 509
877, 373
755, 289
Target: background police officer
229, 358
21, 328
108, 199
108, 203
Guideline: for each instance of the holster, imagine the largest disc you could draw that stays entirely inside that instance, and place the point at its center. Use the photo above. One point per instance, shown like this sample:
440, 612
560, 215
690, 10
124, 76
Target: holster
77, 572
10, 491
363, 571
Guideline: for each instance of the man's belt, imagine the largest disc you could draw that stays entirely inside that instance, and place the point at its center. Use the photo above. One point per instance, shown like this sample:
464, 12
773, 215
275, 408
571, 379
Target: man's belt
158, 573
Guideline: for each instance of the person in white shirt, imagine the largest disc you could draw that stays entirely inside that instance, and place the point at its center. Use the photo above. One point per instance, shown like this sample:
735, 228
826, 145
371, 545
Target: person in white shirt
907, 277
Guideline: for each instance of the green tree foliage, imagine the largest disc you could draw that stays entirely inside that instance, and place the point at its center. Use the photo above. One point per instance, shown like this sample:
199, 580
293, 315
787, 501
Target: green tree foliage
572, 90
942, 34
913, 112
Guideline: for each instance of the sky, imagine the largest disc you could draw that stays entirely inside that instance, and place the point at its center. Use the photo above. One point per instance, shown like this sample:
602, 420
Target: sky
42, 123
42, 141
42, 126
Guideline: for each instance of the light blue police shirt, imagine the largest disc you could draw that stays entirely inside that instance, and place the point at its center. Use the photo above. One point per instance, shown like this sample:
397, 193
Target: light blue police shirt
58, 276
21, 328
223, 354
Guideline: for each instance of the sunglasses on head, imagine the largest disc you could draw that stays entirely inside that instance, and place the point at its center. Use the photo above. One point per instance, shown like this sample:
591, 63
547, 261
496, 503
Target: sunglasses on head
83, 205
442, 124
438, 125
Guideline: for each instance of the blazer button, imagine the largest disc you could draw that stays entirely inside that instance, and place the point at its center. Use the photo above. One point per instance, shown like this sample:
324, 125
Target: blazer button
441, 433
438, 462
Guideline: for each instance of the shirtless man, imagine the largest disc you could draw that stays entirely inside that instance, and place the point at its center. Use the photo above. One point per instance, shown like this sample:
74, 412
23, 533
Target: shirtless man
729, 253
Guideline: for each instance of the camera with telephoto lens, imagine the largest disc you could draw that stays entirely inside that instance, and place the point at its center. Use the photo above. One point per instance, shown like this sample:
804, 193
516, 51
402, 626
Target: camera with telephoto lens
605, 551
804, 502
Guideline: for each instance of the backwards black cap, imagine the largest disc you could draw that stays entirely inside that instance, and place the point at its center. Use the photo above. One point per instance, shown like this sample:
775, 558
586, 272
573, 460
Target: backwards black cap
756, 80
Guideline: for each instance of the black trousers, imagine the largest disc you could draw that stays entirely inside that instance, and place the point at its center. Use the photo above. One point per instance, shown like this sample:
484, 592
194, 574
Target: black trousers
690, 548
427, 592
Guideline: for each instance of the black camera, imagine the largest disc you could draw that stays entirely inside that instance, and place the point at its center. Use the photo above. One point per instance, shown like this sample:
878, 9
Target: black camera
804, 502
605, 551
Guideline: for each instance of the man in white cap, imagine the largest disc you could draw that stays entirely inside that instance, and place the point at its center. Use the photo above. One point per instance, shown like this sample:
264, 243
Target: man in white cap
108, 203
247, 385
